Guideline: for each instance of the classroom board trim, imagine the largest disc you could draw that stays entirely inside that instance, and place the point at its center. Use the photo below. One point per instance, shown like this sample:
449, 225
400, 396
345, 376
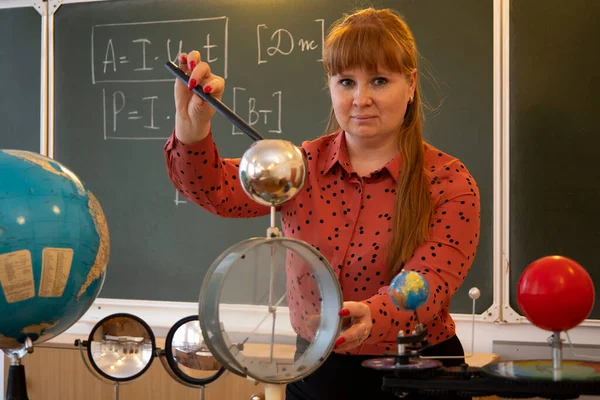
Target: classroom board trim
500, 311
507, 312
42, 8
161, 315
493, 312
39, 5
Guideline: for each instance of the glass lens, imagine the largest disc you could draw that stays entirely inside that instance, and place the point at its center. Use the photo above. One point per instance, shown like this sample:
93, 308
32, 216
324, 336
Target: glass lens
121, 347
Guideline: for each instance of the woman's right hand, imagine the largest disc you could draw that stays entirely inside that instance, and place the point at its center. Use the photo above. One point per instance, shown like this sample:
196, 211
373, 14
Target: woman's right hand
192, 114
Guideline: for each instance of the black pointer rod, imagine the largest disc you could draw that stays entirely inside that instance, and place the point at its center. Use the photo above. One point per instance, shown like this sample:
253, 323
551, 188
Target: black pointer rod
216, 103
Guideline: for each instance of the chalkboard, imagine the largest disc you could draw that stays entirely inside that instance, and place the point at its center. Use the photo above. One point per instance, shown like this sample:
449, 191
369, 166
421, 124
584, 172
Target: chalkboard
20, 63
114, 111
554, 135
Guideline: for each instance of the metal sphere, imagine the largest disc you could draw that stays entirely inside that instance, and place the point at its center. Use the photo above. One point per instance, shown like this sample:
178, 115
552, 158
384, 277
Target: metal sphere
474, 293
272, 171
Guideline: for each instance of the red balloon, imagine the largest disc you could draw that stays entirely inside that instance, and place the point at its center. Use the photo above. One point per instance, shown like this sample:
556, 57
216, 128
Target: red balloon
555, 293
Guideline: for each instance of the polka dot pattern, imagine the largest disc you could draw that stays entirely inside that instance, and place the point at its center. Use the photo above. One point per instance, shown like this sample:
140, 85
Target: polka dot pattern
348, 218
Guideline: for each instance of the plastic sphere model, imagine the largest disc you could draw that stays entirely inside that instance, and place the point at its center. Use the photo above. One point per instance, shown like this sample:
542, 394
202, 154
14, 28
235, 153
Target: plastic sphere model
409, 291
54, 248
555, 293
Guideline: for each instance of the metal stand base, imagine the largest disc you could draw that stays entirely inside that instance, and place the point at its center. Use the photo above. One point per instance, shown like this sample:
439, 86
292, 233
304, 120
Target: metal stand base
16, 387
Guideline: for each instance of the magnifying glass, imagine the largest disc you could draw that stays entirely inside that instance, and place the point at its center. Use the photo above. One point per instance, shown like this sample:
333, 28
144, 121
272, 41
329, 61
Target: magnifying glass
120, 349
186, 357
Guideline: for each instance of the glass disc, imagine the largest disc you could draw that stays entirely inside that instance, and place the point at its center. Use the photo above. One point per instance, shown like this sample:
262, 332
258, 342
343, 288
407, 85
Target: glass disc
269, 309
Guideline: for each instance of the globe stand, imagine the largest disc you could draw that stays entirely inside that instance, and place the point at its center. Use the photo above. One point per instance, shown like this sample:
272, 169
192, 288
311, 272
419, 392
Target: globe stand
556, 345
408, 361
16, 388
412, 344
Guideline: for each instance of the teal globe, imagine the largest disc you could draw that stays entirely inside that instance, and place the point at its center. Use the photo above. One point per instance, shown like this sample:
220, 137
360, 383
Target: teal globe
54, 248
409, 290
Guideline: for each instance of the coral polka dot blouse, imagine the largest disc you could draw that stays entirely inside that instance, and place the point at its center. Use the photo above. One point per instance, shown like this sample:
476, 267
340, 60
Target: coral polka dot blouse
348, 219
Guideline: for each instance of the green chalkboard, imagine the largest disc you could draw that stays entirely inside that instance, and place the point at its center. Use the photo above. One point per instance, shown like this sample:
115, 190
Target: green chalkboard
554, 135
114, 112
20, 65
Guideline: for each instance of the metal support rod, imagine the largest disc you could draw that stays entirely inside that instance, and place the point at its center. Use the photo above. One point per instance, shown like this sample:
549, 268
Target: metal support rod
50, 92
44, 82
556, 355
401, 346
273, 217
272, 309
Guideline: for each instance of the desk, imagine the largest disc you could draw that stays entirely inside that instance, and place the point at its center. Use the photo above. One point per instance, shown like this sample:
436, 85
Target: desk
56, 371
479, 360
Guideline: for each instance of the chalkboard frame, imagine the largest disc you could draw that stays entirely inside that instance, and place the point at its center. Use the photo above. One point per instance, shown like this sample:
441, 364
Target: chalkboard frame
487, 315
500, 309
510, 93
41, 7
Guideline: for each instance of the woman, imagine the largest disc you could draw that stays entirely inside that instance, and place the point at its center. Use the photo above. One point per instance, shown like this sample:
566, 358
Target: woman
377, 200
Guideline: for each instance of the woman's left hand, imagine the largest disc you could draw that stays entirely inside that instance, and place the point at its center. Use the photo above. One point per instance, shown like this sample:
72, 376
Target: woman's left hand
360, 325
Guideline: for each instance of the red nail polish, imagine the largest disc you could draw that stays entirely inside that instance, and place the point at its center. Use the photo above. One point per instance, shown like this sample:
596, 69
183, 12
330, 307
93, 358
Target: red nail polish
182, 58
207, 89
192, 84
339, 342
192, 64
344, 313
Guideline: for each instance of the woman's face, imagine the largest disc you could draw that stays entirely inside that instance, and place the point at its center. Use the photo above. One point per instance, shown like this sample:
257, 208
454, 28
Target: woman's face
369, 105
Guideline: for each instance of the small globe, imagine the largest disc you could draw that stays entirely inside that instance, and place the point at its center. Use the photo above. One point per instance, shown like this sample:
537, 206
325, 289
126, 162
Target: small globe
409, 290
54, 248
555, 293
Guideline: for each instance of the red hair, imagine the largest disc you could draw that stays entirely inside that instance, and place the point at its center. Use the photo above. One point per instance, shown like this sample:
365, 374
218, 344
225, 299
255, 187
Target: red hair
370, 39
